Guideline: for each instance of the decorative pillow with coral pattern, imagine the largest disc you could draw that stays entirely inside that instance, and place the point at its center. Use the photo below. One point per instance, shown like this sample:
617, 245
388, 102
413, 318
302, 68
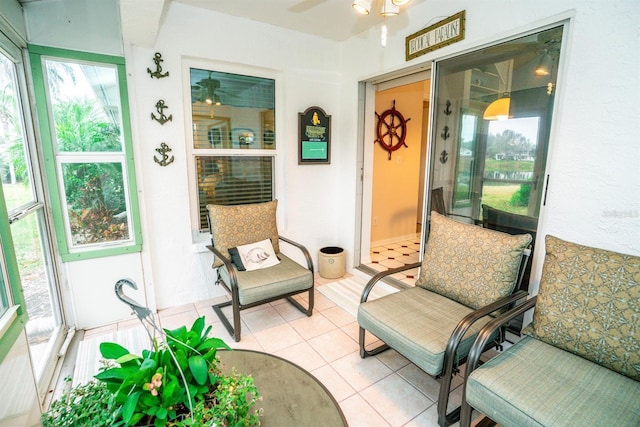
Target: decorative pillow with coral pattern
238, 225
589, 304
472, 265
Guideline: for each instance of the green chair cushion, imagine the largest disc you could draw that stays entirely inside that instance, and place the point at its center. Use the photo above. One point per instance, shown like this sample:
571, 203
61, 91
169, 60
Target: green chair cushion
259, 285
535, 384
470, 264
589, 304
417, 323
243, 224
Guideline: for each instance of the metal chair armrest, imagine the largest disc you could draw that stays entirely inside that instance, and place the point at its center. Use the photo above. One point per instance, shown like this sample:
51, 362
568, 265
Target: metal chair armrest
227, 263
375, 279
485, 333
480, 343
456, 336
302, 248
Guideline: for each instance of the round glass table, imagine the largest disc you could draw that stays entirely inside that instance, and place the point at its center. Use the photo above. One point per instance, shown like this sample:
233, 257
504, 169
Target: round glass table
291, 396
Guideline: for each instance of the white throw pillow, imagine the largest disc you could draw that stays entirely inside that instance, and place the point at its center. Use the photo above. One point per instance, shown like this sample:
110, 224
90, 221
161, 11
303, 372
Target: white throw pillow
258, 255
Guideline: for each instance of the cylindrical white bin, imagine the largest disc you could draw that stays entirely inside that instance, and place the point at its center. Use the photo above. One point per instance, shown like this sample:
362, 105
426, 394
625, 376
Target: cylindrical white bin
331, 262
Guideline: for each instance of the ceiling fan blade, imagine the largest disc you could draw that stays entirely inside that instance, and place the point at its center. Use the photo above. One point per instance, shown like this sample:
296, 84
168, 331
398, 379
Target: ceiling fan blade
305, 5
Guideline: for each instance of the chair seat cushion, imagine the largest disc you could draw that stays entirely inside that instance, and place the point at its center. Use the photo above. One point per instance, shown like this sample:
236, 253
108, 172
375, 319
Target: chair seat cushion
417, 323
259, 285
535, 384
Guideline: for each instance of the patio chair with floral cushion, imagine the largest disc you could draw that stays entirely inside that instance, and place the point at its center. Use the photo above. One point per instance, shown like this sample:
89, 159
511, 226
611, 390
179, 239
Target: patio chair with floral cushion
468, 274
251, 268
579, 362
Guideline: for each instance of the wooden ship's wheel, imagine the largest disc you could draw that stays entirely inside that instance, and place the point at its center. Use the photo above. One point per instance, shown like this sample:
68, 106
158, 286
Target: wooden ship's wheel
391, 130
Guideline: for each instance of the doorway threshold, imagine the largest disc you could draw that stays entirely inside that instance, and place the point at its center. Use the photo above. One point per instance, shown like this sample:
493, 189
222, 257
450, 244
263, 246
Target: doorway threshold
397, 282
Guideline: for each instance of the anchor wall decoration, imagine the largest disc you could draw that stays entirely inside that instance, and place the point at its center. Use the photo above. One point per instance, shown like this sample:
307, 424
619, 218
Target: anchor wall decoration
160, 107
158, 74
445, 133
447, 110
163, 150
444, 156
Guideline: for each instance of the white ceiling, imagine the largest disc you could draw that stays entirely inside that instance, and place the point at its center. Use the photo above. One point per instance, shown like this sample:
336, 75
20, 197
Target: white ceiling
330, 19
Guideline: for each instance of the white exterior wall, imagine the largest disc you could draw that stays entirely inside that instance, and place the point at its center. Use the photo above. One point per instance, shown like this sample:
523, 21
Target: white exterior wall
594, 192
306, 70
594, 161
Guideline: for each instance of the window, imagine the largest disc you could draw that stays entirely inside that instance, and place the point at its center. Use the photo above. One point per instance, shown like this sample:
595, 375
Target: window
87, 147
234, 144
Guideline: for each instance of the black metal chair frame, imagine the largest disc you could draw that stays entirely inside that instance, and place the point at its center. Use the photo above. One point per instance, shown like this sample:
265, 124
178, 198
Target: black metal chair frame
450, 365
483, 337
232, 288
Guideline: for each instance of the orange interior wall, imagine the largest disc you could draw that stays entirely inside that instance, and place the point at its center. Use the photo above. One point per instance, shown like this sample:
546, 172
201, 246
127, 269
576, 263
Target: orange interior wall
396, 181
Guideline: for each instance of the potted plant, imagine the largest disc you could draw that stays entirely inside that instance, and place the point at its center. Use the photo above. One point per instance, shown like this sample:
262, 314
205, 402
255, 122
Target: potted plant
176, 383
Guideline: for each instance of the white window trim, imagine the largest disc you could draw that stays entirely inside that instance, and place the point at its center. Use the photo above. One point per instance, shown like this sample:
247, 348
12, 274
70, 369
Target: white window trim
199, 238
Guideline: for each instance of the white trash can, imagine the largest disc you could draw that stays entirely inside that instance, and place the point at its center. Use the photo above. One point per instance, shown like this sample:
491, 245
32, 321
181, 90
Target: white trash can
331, 262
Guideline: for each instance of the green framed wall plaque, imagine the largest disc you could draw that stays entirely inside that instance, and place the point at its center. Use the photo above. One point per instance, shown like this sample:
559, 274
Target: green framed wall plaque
314, 137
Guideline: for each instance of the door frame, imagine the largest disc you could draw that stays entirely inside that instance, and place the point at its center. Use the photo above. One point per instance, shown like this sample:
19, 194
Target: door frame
366, 135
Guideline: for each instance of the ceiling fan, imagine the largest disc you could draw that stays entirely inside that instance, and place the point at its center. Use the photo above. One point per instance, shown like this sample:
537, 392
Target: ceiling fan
205, 91
305, 5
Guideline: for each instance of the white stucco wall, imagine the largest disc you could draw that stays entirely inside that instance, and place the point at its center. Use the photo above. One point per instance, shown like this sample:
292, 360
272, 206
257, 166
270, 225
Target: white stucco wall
594, 191
306, 70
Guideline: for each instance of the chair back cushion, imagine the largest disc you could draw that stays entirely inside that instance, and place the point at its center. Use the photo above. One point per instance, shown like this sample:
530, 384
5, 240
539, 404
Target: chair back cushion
469, 264
589, 304
238, 225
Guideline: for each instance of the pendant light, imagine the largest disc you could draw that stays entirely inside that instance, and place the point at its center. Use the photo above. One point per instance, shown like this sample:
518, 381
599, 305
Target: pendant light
544, 67
500, 108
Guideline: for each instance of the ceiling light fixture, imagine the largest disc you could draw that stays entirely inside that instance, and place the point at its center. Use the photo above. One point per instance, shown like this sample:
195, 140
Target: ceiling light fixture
500, 109
544, 67
387, 8
362, 6
211, 100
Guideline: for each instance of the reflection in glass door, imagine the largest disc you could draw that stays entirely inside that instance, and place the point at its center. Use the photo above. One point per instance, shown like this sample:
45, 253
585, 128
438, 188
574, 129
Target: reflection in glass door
23, 200
499, 104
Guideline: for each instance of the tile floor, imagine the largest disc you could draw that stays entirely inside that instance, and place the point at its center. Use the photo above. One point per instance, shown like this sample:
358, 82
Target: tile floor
385, 390
398, 254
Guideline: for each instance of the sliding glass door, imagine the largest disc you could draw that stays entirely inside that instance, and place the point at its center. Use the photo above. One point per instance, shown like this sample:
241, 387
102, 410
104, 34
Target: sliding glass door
491, 131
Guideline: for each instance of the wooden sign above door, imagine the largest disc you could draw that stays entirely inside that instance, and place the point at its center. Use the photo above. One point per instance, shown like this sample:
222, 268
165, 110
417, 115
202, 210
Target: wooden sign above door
440, 34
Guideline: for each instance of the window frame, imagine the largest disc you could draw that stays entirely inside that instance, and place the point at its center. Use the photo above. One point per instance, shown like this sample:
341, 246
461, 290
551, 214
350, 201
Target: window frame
53, 161
14, 319
198, 235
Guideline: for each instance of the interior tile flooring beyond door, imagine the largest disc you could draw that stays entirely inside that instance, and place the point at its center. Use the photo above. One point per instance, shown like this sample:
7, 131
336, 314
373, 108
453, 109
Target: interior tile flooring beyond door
394, 255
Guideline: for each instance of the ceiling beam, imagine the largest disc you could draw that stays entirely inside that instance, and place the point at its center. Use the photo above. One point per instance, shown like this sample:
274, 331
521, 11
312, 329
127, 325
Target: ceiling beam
141, 21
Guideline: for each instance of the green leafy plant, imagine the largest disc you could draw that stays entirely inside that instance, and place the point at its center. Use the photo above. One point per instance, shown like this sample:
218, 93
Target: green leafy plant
90, 404
521, 197
177, 383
